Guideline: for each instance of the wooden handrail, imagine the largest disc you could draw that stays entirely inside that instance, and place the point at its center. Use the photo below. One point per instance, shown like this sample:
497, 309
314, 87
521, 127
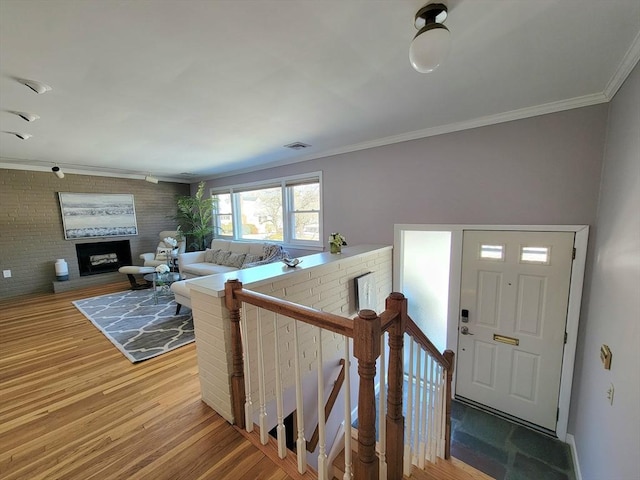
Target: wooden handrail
413, 330
324, 320
387, 319
366, 330
331, 401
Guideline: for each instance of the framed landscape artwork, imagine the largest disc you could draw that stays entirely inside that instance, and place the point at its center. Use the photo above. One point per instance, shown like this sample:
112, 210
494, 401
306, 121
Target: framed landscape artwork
91, 215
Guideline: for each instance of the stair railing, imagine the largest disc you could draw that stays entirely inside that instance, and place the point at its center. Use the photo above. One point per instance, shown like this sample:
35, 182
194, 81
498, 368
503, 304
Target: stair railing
429, 378
367, 334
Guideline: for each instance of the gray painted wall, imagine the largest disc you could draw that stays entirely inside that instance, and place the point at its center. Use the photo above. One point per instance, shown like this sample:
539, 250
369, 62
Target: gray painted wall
607, 437
31, 234
541, 170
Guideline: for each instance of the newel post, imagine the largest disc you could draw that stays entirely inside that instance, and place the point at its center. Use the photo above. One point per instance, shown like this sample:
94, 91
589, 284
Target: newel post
366, 348
395, 420
237, 374
450, 357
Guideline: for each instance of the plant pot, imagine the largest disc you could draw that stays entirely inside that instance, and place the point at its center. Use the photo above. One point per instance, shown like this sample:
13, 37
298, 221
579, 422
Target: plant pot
335, 248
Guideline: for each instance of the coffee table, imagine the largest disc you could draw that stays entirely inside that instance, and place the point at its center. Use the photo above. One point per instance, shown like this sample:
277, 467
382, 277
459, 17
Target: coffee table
162, 282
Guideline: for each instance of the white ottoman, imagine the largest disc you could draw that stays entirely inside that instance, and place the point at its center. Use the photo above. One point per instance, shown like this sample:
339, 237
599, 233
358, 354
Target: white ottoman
132, 270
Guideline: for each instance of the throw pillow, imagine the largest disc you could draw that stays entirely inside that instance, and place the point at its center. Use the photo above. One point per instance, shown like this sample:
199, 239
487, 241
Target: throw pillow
209, 255
251, 258
235, 260
161, 253
221, 256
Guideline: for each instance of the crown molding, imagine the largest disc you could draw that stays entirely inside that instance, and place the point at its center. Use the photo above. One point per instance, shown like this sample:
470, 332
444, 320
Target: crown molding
629, 61
528, 112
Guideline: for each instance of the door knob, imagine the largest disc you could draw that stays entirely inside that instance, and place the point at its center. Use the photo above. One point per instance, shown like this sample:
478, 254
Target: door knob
464, 330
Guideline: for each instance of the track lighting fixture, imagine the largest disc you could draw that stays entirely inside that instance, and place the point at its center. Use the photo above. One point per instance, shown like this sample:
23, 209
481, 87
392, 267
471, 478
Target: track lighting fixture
57, 171
431, 44
150, 179
36, 86
28, 117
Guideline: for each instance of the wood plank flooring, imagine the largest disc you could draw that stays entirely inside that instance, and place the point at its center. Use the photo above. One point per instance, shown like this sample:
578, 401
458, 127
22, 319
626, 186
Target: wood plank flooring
73, 407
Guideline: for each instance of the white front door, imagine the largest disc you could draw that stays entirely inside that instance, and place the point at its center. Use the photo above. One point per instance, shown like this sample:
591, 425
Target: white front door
514, 296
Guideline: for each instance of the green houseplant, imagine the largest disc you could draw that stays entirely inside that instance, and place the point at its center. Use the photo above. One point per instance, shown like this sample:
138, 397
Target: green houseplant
194, 215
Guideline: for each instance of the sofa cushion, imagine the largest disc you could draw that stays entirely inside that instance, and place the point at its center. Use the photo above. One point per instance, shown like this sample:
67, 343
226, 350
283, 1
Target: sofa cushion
239, 247
218, 244
220, 256
235, 260
201, 269
251, 258
209, 255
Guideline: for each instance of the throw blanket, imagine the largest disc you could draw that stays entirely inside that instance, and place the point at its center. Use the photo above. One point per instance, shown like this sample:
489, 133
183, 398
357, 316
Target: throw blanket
270, 253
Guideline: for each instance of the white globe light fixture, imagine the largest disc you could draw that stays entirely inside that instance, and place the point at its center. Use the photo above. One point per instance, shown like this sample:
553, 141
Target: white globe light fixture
431, 45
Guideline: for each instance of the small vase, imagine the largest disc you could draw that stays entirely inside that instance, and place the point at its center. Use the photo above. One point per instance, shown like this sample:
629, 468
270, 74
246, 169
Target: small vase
335, 248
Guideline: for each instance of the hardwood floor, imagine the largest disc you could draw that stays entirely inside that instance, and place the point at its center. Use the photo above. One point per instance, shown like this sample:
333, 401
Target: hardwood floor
73, 407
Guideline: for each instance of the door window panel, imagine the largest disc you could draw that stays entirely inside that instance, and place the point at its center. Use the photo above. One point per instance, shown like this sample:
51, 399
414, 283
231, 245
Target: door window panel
492, 252
535, 255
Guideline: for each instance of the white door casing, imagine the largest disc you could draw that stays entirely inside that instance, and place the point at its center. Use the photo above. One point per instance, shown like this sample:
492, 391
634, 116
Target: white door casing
514, 293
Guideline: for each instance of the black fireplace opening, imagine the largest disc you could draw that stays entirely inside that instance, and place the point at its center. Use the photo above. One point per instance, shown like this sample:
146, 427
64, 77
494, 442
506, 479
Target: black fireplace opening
102, 257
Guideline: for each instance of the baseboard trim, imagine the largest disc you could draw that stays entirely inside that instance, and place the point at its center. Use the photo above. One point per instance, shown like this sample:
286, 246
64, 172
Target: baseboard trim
574, 455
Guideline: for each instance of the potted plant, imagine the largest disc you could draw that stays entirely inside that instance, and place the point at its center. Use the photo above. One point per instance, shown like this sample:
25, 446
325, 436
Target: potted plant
194, 216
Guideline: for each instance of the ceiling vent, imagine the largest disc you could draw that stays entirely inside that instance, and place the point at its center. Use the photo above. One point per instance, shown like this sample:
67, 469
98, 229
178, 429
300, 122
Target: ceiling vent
297, 146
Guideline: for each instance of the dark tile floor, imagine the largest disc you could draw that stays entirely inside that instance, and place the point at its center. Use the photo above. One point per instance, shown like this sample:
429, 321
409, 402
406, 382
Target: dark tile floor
507, 451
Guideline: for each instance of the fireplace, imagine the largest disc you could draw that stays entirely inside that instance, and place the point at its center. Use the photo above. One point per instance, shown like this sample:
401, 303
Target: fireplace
102, 257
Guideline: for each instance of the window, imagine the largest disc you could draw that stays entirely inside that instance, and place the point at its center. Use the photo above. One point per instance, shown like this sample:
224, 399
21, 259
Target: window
286, 210
223, 215
492, 252
535, 255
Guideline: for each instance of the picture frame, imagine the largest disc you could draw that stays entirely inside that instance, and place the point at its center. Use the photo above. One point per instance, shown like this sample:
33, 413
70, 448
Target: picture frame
365, 292
97, 215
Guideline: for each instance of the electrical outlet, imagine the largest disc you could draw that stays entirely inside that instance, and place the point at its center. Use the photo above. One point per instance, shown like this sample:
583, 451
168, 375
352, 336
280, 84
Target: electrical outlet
6, 273
610, 393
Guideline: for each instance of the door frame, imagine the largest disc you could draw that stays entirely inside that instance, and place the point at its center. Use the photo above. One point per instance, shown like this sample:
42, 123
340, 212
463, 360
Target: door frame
455, 276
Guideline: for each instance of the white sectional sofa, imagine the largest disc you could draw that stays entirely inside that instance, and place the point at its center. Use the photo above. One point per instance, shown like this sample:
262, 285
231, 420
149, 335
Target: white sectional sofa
227, 256
223, 256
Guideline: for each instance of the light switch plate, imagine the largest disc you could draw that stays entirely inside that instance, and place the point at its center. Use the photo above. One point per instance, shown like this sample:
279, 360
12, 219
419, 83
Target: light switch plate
6, 273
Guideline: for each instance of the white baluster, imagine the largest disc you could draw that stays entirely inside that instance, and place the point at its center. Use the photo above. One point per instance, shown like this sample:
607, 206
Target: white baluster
322, 454
347, 413
443, 411
424, 416
382, 410
248, 404
416, 408
280, 430
262, 419
434, 420
301, 444
409, 419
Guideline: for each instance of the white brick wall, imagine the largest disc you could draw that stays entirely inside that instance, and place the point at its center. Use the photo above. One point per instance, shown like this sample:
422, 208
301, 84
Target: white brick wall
328, 287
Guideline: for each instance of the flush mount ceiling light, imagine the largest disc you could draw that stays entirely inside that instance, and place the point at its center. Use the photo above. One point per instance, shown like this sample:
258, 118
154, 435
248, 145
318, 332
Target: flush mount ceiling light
57, 171
20, 135
431, 44
150, 179
35, 85
29, 117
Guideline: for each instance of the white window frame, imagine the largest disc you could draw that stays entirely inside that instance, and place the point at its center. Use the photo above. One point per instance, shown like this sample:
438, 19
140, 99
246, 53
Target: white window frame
287, 212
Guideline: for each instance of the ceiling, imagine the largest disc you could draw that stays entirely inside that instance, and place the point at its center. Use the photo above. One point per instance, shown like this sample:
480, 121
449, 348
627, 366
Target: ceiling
193, 89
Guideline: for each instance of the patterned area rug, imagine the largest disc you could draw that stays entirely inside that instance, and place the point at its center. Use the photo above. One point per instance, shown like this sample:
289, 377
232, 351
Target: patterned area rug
136, 325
